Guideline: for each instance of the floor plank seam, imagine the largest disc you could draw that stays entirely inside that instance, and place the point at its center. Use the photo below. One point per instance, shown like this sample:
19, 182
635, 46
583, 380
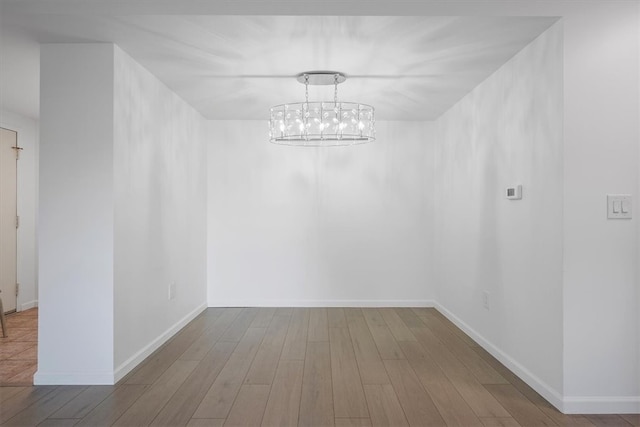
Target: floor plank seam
432, 376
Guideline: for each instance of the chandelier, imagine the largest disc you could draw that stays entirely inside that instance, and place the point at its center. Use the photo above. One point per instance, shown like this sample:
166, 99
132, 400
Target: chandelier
321, 123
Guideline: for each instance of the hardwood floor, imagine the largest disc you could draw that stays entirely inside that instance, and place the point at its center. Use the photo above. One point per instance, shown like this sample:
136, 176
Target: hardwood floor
306, 367
19, 350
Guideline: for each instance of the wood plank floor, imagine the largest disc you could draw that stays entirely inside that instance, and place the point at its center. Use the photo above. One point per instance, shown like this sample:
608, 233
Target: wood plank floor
19, 350
305, 367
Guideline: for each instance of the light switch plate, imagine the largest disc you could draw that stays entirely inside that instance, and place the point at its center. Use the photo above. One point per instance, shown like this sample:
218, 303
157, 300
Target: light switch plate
619, 206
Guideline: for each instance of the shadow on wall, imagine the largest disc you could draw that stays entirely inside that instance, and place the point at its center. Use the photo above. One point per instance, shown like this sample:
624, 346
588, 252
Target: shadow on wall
319, 224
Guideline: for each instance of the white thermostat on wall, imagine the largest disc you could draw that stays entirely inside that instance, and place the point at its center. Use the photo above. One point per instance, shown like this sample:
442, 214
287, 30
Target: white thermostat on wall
514, 193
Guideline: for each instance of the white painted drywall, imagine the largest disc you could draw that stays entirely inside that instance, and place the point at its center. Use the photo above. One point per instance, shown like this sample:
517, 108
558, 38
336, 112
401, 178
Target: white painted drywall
27, 129
601, 363
75, 339
507, 131
601, 284
319, 226
123, 214
160, 212
20, 71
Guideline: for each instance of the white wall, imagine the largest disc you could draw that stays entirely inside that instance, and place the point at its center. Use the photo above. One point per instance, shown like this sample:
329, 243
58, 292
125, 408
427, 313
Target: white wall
319, 226
75, 328
601, 283
601, 368
123, 214
160, 212
27, 129
507, 131
20, 71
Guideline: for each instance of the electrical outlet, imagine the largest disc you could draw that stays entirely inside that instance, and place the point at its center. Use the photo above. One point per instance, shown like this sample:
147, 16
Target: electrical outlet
172, 290
485, 299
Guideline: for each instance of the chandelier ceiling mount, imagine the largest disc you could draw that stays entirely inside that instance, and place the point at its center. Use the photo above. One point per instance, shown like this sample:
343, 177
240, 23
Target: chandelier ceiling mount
317, 78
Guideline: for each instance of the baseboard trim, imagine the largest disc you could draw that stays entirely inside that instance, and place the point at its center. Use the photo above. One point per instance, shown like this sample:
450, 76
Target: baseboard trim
73, 378
146, 351
601, 405
29, 304
321, 303
566, 404
546, 391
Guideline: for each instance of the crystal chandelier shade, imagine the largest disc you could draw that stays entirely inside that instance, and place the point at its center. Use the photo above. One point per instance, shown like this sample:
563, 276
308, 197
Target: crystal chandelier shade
321, 123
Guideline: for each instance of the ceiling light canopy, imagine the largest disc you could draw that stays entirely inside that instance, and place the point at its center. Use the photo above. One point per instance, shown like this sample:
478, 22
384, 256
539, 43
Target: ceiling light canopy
321, 123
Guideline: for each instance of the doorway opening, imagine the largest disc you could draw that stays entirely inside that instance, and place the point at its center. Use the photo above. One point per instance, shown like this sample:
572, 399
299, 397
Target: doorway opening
9, 220
19, 340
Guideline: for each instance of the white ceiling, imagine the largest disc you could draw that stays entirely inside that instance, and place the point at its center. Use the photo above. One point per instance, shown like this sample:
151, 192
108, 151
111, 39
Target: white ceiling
235, 67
